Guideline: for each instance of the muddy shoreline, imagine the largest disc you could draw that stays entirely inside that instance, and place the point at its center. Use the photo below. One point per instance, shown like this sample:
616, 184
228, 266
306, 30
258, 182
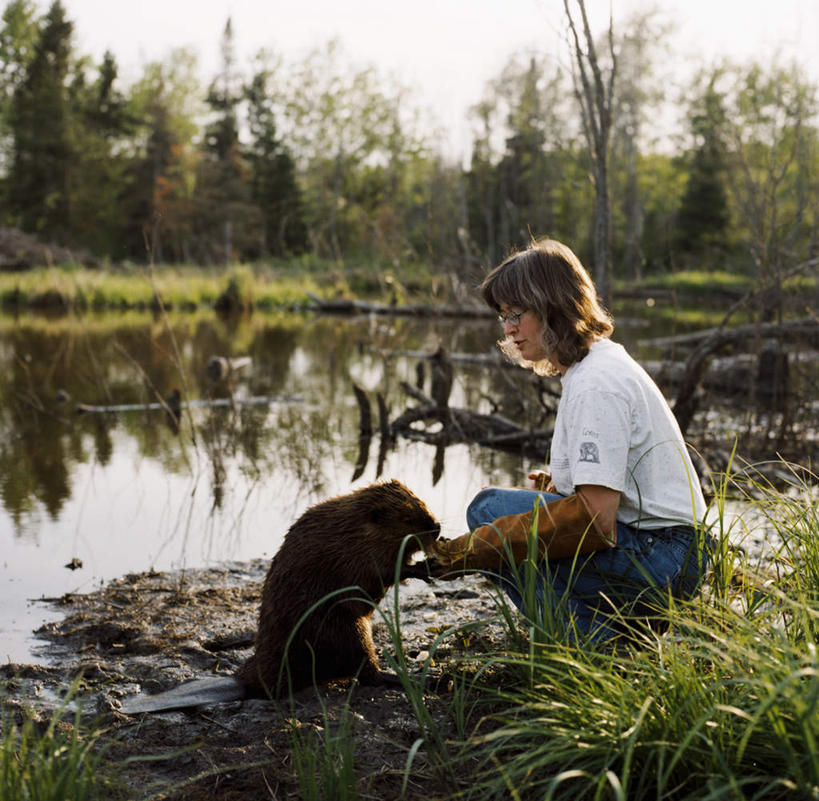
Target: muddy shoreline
151, 631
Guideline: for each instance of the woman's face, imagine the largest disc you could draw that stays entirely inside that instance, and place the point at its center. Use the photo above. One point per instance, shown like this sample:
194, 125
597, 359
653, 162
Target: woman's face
524, 328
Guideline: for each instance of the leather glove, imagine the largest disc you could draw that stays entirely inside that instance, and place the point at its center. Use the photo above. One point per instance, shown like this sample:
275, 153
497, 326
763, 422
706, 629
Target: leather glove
542, 481
564, 528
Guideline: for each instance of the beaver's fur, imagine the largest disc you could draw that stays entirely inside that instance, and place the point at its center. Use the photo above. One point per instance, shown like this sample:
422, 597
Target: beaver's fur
349, 541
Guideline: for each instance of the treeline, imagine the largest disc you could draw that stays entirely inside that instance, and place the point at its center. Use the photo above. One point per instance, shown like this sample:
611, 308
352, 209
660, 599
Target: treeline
325, 159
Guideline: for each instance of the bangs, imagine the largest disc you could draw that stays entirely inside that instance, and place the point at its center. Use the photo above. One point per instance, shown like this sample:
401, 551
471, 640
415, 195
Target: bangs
503, 286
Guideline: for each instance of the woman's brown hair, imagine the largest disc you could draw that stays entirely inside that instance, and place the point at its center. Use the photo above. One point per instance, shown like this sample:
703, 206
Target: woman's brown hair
549, 280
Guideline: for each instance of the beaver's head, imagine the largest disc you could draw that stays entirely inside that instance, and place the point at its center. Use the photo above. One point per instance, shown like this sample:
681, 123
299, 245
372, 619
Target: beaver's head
396, 512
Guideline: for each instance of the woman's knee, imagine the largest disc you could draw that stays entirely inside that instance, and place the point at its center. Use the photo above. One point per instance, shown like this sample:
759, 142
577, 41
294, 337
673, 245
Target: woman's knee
494, 502
482, 509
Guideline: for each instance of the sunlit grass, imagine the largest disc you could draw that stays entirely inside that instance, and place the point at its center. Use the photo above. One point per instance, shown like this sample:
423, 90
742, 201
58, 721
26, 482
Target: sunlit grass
152, 289
703, 281
291, 283
699, 280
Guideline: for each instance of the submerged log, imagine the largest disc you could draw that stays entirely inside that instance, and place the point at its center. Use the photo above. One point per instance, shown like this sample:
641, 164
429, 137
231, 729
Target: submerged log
352, 306
806, 326
264, 400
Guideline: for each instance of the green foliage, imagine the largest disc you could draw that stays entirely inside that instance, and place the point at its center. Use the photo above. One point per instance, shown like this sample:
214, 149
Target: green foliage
18, 35
160, 177
328, 158
41, 127
273, 185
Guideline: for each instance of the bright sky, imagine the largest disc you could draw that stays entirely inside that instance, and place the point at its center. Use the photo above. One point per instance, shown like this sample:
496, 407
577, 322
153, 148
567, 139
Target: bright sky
445, 50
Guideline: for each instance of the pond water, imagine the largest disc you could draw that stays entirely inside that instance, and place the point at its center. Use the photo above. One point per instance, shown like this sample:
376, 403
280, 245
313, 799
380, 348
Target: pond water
127, 491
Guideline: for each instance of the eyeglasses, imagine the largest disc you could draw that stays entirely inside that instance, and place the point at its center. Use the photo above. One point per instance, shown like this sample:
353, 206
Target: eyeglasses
511, 317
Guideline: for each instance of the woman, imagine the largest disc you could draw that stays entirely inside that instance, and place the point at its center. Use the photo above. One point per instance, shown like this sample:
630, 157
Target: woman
617, 520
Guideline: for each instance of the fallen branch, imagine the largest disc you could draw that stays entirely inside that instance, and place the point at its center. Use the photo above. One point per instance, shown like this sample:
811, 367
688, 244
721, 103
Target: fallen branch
351, 306
266, 400
724, 336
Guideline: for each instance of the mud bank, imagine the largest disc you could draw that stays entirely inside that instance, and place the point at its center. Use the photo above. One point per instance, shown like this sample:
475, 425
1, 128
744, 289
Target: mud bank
152, 631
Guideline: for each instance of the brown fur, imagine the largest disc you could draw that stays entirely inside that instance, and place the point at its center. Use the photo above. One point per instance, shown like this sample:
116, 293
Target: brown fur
348, 541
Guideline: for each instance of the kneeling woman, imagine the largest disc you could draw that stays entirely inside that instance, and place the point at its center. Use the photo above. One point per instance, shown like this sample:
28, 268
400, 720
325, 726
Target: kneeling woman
617, 519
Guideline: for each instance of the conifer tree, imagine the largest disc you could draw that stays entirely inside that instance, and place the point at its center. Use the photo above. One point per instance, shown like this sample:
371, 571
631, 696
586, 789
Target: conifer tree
703, 218
273, 176
41, 132
225, 222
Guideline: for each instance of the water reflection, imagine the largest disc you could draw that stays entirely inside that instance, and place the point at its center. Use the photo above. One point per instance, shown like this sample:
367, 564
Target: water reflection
124, 491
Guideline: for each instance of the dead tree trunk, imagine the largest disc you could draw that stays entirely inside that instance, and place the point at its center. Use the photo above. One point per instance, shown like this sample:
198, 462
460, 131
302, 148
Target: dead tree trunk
595, 94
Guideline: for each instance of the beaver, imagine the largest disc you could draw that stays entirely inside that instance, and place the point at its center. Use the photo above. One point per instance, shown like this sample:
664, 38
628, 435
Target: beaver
335, 564
351, 541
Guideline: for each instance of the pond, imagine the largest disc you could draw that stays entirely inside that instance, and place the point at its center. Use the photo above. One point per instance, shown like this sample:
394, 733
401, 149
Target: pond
87, 497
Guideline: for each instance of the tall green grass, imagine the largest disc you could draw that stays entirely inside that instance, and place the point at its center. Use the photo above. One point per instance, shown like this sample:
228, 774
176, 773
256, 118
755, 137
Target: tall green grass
323, 757
52, 761
80, 289
725, 705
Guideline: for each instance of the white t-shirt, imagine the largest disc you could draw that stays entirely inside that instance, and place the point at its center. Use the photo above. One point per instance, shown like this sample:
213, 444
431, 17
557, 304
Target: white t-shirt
614, 428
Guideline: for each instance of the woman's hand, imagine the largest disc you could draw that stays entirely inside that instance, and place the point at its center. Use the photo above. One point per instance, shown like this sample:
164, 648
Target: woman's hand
541, 481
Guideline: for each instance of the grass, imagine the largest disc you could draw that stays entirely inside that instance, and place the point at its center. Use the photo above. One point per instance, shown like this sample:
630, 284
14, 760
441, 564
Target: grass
324, 757
724, 706
80, 289
287, 284
265, 287
51, 761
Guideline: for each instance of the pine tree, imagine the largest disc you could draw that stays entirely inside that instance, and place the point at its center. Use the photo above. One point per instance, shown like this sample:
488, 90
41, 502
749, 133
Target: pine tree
97, 177
225, 222
703, 218
273, 176
18, 34
41, 132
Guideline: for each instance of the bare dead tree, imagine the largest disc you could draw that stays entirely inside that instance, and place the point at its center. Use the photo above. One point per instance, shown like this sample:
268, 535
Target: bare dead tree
595, 93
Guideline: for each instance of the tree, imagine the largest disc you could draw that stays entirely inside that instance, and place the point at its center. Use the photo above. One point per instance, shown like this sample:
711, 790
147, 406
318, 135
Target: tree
225, 221
348, 136
482, 189
161, 171
531, 161
41, 131
771, 135
640, 91
18, 36
101, 126
595, 95
704, 217
516, 192
273, 186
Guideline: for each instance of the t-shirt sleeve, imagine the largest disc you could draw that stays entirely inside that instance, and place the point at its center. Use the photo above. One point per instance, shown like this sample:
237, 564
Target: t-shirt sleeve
599, 429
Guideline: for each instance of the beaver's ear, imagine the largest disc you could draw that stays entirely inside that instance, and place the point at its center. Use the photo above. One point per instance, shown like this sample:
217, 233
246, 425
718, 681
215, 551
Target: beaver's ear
376, 515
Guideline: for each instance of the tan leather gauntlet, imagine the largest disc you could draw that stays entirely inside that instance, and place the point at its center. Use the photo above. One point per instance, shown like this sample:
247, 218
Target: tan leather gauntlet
564, 528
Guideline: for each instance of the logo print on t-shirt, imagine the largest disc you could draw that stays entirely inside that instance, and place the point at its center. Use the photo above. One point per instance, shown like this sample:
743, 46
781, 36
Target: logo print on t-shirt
589, 452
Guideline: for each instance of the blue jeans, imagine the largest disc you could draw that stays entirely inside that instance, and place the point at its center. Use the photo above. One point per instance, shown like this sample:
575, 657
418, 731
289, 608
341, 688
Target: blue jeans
595, 595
